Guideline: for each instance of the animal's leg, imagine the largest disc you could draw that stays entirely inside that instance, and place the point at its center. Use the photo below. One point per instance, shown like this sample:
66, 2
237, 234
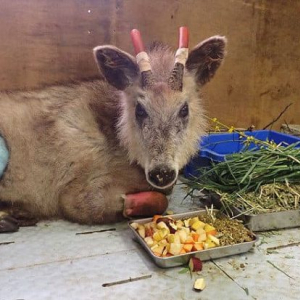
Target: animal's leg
92, 204
89, 203
13, 217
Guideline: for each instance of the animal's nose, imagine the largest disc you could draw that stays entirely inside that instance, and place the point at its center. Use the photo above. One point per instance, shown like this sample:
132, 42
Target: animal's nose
162, 176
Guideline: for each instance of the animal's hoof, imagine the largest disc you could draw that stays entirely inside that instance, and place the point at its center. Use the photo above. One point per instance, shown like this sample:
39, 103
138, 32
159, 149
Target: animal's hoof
8, 223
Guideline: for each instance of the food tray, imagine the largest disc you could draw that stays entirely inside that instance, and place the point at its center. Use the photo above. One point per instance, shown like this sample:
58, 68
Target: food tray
270, 221
208, 254
264, 221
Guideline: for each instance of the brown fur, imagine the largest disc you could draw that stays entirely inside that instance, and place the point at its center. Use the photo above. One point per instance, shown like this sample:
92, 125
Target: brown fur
74, 150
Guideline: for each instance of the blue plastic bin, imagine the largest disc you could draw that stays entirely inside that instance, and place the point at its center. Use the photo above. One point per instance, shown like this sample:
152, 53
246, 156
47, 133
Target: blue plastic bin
215, 147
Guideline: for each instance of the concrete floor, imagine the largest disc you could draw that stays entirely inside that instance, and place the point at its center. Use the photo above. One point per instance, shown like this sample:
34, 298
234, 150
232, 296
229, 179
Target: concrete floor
60, 260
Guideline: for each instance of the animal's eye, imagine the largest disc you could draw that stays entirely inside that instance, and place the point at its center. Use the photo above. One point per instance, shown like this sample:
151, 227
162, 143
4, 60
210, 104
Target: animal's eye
140, 112
184, 111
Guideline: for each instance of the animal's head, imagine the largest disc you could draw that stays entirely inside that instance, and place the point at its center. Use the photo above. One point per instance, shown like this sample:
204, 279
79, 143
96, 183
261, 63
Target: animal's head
162, 115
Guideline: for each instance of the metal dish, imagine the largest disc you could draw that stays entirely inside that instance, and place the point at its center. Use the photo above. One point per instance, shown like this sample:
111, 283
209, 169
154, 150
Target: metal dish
178, 260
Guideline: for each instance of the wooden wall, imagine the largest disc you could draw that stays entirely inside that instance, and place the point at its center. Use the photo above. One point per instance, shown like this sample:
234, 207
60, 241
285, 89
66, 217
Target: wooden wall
50, 41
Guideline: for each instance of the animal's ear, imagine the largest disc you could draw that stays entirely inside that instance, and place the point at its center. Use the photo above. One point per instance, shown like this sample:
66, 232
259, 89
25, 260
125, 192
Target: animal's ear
118, 67
204, 60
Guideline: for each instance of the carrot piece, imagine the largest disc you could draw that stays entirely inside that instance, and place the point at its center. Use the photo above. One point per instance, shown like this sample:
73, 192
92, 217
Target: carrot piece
188, 247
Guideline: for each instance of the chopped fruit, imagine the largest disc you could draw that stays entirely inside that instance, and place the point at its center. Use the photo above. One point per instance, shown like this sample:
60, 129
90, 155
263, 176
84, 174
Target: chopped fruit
186, 223
199, 284
213, 239
209, 244
188, 247
159, 250
175, 248
202, 237
179, 224
141, 231
195, 236
155, 217
198, 224
210, 229
162, 225
149, 241
182, 235
166, 236
198, 247
189, 240
173, 227
157, 236
182, 251
195, 264
134, 225
193, 220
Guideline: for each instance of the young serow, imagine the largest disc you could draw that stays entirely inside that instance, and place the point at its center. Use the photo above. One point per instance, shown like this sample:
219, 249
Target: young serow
97, 151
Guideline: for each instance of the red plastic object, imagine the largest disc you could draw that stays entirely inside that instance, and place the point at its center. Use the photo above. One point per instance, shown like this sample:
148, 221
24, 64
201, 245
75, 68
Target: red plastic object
183, 37
137, 41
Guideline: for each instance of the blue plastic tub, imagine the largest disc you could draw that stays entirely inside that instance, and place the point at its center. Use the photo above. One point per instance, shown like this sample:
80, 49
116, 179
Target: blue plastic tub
215, 147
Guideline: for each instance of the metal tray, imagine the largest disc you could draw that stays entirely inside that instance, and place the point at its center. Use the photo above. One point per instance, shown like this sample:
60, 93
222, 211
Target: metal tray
258, 222
269, 221
178, 260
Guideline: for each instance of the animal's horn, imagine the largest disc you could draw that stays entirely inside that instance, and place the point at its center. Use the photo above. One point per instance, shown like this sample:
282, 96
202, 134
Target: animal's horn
175, 80
142, 59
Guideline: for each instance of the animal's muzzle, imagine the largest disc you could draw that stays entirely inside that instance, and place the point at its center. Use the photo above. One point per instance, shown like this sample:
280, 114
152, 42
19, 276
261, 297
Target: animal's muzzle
162, 177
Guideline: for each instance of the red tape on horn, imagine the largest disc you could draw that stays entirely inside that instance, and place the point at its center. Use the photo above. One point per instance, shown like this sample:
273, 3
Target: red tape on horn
137, 41
183, 37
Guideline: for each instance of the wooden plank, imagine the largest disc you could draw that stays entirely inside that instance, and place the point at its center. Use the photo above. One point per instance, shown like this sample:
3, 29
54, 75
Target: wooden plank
45, 42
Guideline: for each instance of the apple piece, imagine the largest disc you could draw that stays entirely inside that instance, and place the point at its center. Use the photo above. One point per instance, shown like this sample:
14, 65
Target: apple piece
173, 227
209, 244
193, 220
161, 225
213, 239
171, 238
163, 242
202, 237
179, 224
186, 229
199, 284
158, 251
198, 247
149, 241
182, 235
197, 224
134, 225
189, 240
141, 231
200, 230
175, 248
157, 236
176, 238
165, 252
195, 264
187, 222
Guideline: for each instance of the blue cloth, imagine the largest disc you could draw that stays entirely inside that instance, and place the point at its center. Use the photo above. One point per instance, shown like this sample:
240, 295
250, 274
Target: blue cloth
4, 155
